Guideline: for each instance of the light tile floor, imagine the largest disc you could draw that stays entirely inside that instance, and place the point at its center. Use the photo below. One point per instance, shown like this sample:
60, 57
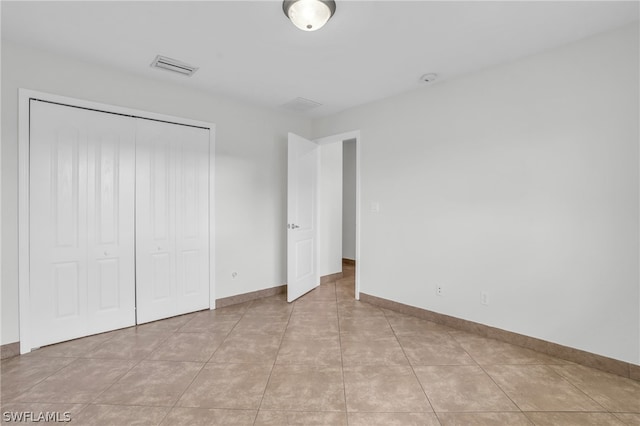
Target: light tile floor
324, 360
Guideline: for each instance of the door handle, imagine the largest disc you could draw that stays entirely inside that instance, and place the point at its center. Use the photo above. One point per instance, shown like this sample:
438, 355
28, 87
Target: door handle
294, 226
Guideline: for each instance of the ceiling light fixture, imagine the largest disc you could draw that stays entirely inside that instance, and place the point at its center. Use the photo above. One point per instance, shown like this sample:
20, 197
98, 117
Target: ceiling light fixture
309, 15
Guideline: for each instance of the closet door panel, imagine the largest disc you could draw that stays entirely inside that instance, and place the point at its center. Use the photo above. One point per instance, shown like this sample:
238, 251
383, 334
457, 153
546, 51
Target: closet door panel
155, 243
57, 224
111, 259
161, 219
172, 170
192, 220
63, 225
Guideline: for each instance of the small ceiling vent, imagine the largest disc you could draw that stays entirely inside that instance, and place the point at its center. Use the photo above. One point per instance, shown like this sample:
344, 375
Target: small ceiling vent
301, 105
169, 64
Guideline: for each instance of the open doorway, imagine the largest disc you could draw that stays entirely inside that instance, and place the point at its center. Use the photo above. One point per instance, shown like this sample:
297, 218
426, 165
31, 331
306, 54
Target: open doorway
338, 248
349, 219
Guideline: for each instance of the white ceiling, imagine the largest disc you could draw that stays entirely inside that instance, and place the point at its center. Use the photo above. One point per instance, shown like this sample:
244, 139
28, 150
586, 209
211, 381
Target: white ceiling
249, 50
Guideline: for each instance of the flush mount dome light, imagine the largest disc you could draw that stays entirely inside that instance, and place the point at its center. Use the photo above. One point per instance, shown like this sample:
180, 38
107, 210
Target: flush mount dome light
309, 15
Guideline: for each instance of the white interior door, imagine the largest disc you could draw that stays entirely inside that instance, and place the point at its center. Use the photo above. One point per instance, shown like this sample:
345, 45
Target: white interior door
172, 228
302, 217
192, 220
81, 222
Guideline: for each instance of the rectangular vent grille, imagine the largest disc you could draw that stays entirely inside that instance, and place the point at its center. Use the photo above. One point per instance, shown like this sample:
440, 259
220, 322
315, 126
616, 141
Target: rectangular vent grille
301, 105
169, 64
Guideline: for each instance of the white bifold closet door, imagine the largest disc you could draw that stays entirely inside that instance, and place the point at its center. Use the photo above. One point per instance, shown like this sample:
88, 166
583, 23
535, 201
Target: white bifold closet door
82, 265
172, 219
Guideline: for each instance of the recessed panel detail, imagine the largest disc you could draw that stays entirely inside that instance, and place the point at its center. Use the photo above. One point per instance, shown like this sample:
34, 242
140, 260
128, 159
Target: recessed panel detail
306, 195
304, 255
65, 187
191, 265
189, 194
66, 288
107, 189
161, 276
108, 281
159, 207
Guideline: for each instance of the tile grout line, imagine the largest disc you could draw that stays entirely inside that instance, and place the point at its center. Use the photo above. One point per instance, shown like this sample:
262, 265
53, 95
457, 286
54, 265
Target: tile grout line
500, 388
229, 332
491, 377
616, 416
170, 408
411, 366
488, 375
275, 360
93, 400
244, 313
566, 379
75, 359
497, 384
344, 384
604, 410
12, 400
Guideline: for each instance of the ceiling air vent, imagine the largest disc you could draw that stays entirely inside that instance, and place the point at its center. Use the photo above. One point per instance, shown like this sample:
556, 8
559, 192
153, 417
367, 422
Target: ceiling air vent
169, 64
301, 105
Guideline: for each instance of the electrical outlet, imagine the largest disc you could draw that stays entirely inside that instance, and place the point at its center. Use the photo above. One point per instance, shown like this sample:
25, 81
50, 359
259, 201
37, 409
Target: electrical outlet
439, 289
234, 275
484, 298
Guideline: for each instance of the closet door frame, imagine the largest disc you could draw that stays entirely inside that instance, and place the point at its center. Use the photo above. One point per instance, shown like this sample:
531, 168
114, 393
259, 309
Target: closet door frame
24, 98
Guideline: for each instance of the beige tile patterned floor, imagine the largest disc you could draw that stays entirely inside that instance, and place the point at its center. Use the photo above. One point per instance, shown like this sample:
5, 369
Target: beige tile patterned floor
324, 360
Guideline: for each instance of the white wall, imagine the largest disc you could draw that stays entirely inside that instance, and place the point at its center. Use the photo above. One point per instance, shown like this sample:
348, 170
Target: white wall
251, 167
349, 199
330, 211
1, 204
521, 181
